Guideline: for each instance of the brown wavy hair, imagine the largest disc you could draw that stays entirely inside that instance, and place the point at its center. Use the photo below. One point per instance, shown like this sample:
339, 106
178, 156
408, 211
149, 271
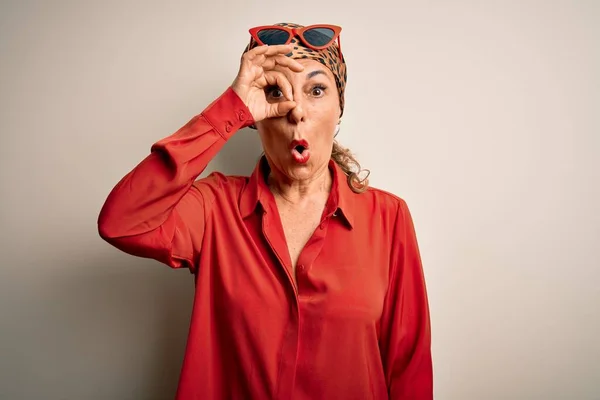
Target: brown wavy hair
351, 167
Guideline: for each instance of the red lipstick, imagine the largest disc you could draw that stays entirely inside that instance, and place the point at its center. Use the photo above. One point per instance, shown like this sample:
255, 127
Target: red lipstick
300, 151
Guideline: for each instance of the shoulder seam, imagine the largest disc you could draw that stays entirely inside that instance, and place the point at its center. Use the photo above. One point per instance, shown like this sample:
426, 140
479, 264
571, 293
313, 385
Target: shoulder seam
387, 193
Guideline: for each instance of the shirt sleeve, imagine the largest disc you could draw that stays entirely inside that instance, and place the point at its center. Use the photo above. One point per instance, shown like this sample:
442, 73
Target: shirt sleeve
158, 209
405, 337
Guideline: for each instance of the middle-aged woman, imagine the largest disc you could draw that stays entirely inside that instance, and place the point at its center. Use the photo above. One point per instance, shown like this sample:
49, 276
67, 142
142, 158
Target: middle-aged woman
308, 282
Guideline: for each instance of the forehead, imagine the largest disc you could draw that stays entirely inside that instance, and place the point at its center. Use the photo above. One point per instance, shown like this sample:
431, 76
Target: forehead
311, 68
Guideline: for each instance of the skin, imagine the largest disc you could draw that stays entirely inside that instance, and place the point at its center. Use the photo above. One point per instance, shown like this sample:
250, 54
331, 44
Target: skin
313, 119
291, 100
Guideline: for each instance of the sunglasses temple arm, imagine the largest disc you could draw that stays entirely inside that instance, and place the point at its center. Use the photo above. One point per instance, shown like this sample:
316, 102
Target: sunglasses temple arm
340, 48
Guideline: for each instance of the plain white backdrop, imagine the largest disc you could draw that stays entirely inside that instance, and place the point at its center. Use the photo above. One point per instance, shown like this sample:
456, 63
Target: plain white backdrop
483, 115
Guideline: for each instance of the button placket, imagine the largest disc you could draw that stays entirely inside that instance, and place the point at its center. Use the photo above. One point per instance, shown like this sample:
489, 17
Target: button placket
278, 249
302, 283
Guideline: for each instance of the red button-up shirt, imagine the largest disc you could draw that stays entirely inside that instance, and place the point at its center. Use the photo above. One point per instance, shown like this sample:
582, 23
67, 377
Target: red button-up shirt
354, 324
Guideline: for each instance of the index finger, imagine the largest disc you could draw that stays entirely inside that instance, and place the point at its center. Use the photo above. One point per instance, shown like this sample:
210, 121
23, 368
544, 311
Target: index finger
270, 50
284, 61
276, 78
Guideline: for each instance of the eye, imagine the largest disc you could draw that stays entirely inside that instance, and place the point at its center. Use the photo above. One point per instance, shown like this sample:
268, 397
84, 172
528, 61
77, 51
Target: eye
318, 91
274, 92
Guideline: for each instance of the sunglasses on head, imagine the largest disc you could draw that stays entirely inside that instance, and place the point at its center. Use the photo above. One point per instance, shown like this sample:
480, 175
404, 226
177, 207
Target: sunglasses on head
316, 37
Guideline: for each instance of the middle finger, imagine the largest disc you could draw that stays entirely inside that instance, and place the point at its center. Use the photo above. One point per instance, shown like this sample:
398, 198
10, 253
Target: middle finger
283, 61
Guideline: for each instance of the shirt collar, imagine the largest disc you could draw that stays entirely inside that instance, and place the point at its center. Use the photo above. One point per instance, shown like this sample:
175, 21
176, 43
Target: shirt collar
256, 193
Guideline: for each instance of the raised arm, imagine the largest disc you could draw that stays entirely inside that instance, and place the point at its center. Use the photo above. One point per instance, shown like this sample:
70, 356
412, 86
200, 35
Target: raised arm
405, 340
158, 209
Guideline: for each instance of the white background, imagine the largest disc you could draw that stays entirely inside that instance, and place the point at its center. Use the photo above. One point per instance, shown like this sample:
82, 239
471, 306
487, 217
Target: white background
483, 115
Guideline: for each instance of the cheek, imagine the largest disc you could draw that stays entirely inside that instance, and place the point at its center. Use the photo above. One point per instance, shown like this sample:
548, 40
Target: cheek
268, 141
271, 140
326, 110
323, 139
325, 123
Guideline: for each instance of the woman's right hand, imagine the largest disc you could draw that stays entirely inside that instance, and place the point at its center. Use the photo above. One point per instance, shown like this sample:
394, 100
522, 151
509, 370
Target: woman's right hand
257, 73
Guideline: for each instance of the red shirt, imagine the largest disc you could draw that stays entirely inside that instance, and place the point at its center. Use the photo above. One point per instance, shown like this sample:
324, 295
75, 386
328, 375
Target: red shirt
354, 326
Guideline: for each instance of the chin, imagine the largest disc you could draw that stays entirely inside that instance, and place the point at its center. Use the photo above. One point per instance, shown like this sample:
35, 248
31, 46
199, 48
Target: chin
298, 168
302, 171
299, 172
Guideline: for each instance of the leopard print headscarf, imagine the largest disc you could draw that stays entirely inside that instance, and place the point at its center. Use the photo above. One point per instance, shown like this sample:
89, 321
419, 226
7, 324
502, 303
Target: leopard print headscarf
329, 57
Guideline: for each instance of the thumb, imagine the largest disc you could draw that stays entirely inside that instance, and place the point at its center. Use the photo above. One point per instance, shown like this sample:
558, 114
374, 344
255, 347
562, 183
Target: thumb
282, 108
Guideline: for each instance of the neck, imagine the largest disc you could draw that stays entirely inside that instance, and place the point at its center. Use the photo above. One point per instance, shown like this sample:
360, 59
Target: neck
299, 191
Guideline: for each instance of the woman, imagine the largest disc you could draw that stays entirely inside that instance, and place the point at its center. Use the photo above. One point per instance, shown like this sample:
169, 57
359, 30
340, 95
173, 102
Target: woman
309, 283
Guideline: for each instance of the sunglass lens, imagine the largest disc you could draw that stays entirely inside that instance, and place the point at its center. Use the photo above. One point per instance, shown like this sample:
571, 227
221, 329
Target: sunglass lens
319, 36
273, 36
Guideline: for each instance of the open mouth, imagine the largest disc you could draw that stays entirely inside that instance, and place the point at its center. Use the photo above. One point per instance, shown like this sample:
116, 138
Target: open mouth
300, 148
300, 151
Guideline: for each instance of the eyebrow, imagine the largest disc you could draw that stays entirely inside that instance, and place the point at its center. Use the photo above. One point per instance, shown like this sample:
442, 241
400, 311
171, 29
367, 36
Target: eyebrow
315, 73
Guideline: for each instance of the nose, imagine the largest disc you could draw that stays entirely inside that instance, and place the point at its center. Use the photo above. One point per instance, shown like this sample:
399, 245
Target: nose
296, 114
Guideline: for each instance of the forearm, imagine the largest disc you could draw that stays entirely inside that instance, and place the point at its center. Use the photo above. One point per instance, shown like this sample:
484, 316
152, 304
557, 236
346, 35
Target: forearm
149, 195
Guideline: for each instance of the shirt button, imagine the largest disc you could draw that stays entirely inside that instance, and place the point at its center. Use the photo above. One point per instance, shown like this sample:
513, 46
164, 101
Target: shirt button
301, 267
228, 127
242, 115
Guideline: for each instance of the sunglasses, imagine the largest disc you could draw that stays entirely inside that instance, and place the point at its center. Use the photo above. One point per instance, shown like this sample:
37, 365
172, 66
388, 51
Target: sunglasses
316, 37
